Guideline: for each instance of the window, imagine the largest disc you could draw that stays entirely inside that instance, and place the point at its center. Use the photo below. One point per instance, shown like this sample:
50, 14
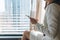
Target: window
12, 16
2, 8
38, 10
42, 11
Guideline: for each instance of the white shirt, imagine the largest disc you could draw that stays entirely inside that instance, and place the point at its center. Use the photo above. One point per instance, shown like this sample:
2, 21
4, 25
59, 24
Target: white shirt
51, 22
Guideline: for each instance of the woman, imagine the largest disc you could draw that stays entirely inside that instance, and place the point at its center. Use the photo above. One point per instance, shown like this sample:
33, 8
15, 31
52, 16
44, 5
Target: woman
51, 22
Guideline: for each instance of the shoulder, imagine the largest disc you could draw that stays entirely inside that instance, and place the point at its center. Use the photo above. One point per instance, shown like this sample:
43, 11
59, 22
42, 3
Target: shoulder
53, 9
53, 6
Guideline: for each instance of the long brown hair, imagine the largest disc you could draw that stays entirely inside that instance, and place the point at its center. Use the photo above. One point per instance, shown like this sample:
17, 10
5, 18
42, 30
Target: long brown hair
54, 1
57, 2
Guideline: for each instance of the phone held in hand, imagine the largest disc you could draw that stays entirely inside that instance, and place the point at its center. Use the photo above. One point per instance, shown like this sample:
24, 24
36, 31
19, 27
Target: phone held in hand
28, 16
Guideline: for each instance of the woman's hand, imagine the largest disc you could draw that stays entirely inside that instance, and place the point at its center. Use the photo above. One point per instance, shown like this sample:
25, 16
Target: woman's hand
33, 21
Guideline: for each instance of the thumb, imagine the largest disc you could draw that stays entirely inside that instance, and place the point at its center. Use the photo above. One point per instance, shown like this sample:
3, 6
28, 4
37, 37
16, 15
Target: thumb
36, 19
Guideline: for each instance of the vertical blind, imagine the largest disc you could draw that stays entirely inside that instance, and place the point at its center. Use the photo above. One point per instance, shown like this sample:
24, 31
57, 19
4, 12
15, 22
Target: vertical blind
42, 11
13, 19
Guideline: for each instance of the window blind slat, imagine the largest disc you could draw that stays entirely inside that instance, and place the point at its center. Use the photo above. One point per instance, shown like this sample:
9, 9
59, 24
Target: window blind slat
13, 20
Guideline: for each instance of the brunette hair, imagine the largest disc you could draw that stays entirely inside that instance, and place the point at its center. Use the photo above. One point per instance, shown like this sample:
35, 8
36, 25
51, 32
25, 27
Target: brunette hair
54, 1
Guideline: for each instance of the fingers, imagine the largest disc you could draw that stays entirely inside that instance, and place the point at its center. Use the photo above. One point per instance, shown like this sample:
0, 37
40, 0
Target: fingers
33, 21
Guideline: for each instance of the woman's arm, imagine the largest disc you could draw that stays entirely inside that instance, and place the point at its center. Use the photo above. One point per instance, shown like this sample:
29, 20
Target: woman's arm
52, 20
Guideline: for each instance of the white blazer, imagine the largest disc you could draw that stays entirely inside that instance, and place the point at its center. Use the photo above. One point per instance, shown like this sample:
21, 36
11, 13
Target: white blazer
51, 23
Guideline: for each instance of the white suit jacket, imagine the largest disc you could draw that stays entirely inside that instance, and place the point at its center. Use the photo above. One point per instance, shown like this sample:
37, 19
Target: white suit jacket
51, 26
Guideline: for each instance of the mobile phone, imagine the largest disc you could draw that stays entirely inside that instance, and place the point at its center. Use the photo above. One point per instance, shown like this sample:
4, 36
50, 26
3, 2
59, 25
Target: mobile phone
28, 16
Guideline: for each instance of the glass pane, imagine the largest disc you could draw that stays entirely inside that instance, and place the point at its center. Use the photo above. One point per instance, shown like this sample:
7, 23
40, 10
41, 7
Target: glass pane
12, 16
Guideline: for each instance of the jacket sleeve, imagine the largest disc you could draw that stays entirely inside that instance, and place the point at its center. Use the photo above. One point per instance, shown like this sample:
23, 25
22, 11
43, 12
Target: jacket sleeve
39, 27
52, 20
